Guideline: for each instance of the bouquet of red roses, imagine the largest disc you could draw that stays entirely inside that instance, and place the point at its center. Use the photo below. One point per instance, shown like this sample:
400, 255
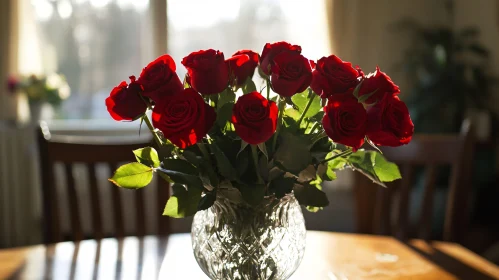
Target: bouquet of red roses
216, 133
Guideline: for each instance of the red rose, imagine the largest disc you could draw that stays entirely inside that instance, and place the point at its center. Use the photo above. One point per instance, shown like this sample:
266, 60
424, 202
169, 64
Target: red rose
389, 122
345, 120
291, 73
183, 118
254, 117
379, 82
12, 84
158, 78
271, 50
242, 65
207, 70
124, 102
332, 75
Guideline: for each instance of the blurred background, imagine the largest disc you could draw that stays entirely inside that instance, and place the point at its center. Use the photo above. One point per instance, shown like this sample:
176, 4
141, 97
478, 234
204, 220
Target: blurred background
443, 54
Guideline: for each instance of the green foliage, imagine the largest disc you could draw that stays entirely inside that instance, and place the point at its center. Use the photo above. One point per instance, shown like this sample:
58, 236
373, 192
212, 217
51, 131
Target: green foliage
224, 115
207, 201
147, 156
132, 176
282, 185
227, 96
374, 166
183, 202
301, 100
249, 86
182, 172
310, 195
224, 166
293, 154
252, 194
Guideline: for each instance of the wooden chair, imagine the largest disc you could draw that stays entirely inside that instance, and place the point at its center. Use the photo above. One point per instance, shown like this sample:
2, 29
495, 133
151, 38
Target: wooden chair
90, 151
374, 203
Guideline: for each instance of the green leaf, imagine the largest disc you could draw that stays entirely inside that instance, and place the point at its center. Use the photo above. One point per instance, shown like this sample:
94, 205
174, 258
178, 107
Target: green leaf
364, 97
224, 114
293, 113
249, 86
282, 185
166, 151
183, 202
253, 194
357, 89
326, 172
386, 171
310, 196
147, 156
182, 172
314, 209
225, 97
307, 174
244, 144
223, 163
263, 148
293, 154
301, 100
165, 177
132, 176
373, 165
207, 201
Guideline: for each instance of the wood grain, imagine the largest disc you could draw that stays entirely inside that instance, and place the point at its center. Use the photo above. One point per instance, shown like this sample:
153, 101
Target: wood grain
328, 256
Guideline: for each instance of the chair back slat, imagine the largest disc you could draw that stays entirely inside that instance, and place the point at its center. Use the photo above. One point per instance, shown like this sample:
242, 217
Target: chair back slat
92, 151
140, 216
427, 202
117, 205
382, 212
74, 209
163, 192
404, 201
431, 152
95, 202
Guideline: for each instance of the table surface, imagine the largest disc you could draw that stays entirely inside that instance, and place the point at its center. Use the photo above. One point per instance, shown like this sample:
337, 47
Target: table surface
331, 256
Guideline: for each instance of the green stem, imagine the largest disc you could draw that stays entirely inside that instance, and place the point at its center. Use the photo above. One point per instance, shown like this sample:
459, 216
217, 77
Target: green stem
344, 153
306, 108
314, 127
158, 140
254, 153
282, 104
268, 89
205, 152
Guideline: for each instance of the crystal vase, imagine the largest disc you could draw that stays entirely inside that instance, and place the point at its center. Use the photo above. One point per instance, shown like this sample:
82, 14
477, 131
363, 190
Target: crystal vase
238, 241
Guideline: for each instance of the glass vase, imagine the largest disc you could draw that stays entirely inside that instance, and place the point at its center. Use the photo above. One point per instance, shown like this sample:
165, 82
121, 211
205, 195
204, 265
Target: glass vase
237, 241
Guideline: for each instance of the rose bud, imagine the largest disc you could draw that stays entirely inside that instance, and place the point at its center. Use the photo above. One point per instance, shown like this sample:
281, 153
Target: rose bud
389, 122
124, 102
379, 84
207, 71
183, 118
271, 50
345, 120
242, 65
291, 73
159, 79
332, 75
254, 118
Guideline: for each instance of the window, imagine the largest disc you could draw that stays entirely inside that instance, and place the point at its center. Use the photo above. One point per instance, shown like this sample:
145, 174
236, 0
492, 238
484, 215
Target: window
98, 43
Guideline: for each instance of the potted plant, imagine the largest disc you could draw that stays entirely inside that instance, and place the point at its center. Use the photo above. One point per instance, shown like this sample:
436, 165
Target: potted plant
40, 90
243, 159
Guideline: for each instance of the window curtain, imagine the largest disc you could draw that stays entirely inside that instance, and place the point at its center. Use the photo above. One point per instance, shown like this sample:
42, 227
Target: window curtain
364, 32
19, 183
8, 51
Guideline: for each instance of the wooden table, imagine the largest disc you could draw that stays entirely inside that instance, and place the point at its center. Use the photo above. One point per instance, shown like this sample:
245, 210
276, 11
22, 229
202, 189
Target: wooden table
331, 256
